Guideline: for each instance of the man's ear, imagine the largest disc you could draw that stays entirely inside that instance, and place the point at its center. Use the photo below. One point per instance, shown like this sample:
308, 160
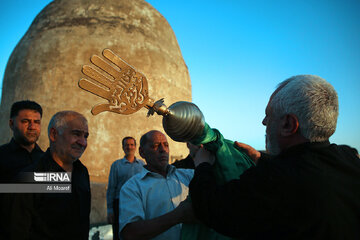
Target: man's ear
11, 124
289, 125
53, 134
141, 151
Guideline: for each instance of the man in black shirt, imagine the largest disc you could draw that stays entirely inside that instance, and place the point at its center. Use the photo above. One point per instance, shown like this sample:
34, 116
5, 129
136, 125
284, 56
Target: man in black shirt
22, 150
306, 189
57, 215
187, 162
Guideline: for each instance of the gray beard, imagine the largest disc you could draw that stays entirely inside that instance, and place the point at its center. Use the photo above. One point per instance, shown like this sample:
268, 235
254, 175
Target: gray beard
272, 145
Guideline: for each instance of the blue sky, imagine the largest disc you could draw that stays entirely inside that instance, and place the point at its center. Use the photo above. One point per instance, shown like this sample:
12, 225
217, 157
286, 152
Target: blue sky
238, 51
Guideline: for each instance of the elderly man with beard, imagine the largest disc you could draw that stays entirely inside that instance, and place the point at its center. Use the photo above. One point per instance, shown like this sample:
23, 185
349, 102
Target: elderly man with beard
306, 188
149, 201
57, 215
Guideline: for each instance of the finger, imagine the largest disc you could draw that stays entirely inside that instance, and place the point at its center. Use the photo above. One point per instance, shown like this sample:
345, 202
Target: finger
100, 108
109, 69
97, 76
241, 146
94, 89
124, 66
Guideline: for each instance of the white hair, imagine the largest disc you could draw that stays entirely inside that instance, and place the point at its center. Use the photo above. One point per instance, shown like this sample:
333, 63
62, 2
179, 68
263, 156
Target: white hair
313, 100
60, 119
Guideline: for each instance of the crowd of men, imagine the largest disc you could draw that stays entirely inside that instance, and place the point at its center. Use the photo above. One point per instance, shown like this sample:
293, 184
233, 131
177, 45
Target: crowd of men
303, 187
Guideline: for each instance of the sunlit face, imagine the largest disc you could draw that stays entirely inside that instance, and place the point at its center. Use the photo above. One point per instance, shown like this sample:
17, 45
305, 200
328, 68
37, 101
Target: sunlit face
272, 124
71, 141
156, 152
129, 147
26, 127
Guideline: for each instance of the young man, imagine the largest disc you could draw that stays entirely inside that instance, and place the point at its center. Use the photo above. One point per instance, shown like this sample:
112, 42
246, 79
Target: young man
121, 170
22, 150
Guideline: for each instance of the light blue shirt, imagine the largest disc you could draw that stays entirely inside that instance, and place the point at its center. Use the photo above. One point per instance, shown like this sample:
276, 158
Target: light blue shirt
121, 170
148, 195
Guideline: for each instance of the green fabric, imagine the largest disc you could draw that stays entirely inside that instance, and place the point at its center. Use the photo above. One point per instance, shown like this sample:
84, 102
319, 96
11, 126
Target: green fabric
230, 163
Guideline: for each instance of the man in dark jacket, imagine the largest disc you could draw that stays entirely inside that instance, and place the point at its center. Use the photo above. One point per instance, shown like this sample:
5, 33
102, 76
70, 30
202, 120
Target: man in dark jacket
57, 215
306, 188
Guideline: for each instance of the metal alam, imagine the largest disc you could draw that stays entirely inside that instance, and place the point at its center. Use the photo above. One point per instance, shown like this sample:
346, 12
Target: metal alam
126, 90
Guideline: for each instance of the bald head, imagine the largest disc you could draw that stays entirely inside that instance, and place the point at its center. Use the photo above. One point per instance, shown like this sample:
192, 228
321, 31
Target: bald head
154, 148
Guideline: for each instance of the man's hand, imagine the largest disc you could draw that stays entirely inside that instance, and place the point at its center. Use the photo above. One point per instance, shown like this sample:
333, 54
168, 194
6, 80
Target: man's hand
204, 155
252, 152
110, 218
147, 229
185, 212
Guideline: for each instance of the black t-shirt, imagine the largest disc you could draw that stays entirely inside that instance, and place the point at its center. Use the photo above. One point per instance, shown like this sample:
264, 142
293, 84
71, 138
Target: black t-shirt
14, 158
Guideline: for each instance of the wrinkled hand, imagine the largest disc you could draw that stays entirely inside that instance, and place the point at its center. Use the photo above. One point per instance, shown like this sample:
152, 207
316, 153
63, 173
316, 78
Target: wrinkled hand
203, 155
252, 152
125, 88
110, 218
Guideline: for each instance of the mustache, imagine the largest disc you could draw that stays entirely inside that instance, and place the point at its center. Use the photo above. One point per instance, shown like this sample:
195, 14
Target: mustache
78, 147
164, 156
31, 132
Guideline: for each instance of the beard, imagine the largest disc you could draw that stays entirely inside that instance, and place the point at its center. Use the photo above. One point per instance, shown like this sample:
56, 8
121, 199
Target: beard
27, 138
272, 143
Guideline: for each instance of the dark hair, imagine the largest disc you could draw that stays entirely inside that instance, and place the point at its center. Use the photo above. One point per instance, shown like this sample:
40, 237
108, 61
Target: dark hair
26, 104
126, 138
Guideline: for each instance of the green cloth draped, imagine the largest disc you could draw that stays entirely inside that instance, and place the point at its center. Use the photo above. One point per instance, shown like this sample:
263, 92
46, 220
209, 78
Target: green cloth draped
230, 163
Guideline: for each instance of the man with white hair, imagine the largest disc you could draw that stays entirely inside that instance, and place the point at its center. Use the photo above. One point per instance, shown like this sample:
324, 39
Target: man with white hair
306, 188
57, 215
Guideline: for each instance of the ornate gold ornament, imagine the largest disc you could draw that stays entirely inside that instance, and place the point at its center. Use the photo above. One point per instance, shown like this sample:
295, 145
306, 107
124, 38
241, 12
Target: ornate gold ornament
116, 81
126, 91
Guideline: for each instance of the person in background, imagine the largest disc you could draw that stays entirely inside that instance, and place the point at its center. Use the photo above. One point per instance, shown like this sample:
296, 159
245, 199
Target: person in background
121, 170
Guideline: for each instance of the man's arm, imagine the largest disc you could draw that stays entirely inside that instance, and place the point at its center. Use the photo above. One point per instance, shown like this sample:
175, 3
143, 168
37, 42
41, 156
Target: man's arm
238, 207
110, 193
146, 229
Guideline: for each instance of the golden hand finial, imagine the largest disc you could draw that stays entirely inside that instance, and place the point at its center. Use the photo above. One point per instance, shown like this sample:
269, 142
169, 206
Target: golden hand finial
126, 90
116, 81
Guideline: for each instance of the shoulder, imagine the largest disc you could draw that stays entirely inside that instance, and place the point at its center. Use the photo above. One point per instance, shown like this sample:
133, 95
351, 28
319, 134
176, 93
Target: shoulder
116, 163
78, 164
347, 149
139, 180
183, 173
5, 147
140, 161
133, 184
